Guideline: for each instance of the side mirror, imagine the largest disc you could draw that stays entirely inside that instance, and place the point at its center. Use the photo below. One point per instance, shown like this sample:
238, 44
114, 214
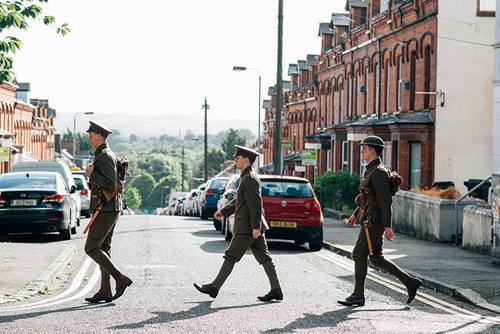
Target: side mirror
221, 191
79, 187
72, 189
230, 196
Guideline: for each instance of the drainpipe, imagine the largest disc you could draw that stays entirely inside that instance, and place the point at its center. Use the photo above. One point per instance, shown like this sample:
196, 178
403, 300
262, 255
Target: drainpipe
379, 78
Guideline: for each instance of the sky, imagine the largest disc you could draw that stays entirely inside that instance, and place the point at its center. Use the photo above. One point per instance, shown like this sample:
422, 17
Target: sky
157, 57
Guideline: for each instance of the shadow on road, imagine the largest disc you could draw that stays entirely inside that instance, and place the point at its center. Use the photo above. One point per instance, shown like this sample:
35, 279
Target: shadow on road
30, 315
31, 238
200, 310
275, 247
207, 233
327, 319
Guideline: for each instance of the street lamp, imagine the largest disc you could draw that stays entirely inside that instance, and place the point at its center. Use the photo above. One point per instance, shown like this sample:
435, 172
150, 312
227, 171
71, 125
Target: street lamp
74, 130
243, 68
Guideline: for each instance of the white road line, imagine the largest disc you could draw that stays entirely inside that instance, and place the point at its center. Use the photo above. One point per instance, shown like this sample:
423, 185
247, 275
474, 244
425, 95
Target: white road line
422, 297
77, 282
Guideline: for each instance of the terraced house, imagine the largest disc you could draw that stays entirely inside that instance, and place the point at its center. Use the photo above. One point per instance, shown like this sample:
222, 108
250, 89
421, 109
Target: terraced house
417, 73
26, 126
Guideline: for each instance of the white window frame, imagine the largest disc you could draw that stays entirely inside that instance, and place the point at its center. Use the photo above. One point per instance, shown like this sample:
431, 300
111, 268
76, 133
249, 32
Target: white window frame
400, 83
345, 156
377, 88
388, 90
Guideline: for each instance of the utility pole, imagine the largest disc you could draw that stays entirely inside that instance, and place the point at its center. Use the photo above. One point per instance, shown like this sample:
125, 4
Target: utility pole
205, 168
279, 94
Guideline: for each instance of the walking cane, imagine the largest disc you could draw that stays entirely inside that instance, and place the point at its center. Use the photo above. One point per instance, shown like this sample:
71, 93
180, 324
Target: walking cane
368, 240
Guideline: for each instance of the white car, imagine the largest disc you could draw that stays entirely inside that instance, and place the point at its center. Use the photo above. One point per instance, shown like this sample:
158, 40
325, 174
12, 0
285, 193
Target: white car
83, 189
227, 196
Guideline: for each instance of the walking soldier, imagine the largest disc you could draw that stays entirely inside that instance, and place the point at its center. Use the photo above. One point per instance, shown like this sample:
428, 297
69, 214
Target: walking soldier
374, 215
105, 205
249, 228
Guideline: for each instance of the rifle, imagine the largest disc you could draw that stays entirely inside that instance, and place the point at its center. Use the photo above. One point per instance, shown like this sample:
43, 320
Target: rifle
368, 239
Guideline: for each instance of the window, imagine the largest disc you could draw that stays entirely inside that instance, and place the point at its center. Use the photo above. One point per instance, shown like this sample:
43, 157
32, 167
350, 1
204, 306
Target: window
329, 160
400, 82
387, 87
485, 7
394, 152
345, 156
377, 89
286, 189
362, 163
349, 97
384, 5
413, 69
366, 91
387, 155
415, 161
427, 76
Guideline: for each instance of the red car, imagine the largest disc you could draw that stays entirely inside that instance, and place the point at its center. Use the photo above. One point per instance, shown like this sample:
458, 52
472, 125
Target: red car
292, 210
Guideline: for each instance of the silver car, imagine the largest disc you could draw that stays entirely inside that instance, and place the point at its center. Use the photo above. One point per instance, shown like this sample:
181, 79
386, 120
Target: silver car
83, 189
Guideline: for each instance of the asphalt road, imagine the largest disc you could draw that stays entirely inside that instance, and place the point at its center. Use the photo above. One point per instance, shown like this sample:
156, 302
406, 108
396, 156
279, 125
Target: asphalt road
165, 255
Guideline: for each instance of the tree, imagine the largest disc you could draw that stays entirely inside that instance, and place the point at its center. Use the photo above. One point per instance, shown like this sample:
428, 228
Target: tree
145, 183
232, 138
15, 15
215, 158
132, 197
168, 184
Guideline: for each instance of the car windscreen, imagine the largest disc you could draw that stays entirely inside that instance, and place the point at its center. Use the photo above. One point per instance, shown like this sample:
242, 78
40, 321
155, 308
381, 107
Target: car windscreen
218, 183
286, 189
79, 183
31, 182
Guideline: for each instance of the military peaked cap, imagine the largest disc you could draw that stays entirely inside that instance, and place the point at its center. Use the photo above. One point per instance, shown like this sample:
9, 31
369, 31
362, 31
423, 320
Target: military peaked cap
373, 141
99, 128
246, 152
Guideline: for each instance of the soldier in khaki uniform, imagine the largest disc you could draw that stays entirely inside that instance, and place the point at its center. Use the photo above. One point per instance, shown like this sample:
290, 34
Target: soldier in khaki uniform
103, 176
249, 228
376, 191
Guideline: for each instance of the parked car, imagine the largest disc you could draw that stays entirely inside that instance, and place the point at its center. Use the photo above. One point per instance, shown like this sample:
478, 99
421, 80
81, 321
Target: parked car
228, 194
211, 196
178, 207
197, 201
83, 189
188, 204
36, 202
61, 168
292, 210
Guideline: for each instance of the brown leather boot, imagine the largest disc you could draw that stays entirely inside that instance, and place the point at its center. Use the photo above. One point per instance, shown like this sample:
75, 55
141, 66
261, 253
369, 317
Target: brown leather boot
122, 283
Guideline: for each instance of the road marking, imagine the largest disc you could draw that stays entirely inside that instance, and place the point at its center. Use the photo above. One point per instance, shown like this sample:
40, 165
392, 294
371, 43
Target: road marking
348, 265
77, 282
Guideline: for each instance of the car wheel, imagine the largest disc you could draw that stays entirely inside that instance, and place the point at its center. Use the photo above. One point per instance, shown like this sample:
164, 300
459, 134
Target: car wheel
203, 215
66, 234
316, 245
223, 225
227, 234
217, 224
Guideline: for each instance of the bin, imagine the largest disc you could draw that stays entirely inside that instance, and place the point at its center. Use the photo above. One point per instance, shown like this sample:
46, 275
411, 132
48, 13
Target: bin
481, 192
443, 184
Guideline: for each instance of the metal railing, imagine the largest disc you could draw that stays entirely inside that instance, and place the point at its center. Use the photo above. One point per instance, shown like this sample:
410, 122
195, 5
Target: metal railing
460, 200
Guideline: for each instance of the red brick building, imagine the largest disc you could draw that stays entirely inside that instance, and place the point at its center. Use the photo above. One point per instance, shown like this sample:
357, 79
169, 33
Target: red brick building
26, 126
373, 75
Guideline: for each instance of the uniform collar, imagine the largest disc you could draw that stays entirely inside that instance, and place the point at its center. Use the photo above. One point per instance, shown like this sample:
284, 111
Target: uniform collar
246, 170
100, 148
373, 164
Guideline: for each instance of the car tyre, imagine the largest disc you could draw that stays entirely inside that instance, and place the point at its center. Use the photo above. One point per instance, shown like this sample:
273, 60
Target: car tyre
217, 224
203, 215
223, 227
66, 234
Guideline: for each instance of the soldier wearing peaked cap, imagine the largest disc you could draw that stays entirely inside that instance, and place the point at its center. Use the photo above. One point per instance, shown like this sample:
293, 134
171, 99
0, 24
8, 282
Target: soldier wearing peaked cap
103, 176
374, 215
249, 228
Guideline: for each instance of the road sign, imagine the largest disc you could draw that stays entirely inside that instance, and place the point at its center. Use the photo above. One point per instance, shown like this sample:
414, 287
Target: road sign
300, 168
4, 154
309, 157
286, 143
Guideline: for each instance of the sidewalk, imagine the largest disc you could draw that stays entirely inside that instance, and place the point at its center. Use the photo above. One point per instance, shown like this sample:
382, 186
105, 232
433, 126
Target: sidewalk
465, 275
29, 269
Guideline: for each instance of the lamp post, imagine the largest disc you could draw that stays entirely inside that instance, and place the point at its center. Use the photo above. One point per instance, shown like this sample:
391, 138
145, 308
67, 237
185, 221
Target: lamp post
74, 130
243, 68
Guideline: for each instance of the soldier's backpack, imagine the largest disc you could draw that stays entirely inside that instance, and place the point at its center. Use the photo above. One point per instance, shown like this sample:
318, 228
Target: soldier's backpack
121, 173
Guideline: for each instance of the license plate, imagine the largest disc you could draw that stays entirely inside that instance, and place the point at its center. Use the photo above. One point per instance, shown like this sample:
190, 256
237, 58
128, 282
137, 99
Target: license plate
24, 202
283, 224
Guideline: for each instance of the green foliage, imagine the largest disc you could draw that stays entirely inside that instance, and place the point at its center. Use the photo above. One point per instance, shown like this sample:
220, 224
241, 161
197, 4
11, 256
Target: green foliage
337, 190
232, 138
132, 197
167, 184
215, 158
145, 183
15, 15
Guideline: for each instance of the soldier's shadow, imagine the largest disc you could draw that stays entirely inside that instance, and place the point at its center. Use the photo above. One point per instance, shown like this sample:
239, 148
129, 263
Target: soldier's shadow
327, 319
200, 310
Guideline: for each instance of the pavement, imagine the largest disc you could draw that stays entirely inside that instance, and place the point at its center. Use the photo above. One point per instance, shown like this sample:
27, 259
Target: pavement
446, 268
33, 265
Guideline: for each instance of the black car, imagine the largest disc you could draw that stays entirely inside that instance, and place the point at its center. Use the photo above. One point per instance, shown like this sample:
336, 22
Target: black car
35, 202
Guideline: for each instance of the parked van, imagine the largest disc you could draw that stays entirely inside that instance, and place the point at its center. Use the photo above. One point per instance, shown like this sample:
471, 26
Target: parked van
61, 168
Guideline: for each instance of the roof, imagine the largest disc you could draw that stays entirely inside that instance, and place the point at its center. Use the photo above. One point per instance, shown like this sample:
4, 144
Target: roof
339, 19
293, 69
356, 3
324, 28
312, 60
297, 156
420, 117
302, 65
